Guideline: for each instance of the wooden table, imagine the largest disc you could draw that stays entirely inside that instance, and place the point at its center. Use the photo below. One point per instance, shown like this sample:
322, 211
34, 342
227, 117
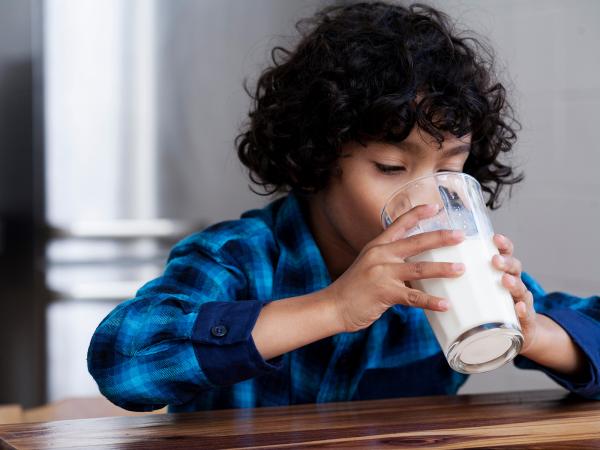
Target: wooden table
534, 420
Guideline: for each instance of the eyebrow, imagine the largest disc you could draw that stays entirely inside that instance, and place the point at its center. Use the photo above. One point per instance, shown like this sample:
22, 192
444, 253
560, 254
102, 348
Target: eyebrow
414, 148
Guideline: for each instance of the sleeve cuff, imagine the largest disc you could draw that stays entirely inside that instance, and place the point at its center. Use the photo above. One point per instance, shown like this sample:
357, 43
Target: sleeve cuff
223, 342
585, 332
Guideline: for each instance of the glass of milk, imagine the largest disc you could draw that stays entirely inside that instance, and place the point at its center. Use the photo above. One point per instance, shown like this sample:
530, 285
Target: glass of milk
480, 331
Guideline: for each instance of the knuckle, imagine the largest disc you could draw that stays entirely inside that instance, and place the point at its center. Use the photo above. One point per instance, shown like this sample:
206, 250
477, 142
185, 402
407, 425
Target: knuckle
373, 254
529, 312
375, 271
518, 265
413, 298
447, 237
416, 241
529, 297
367, 247
522, 289
418, 268
412, 246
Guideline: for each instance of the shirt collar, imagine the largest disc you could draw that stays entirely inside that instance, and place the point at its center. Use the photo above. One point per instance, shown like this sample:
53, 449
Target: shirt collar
300, 268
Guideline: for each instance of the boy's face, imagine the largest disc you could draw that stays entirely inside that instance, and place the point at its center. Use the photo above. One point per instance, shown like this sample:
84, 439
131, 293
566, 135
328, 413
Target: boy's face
351, 205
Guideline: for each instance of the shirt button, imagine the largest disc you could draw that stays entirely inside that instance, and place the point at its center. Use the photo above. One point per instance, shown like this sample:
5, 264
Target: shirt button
218, 330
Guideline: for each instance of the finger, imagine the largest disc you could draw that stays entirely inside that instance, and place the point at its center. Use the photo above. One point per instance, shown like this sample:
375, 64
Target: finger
405, 222
419, 299
527, 320
425, 270
524, 303
429, 240
504, 244
508, 264
525, 313
521, 309
516, 287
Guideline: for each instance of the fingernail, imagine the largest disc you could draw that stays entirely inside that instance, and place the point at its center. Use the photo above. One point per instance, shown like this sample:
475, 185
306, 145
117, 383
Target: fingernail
501, 260
511, 281
434, 207
443, 304
458, 234
458, 267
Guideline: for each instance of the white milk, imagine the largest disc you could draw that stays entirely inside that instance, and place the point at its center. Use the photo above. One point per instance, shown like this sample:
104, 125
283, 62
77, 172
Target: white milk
476, 297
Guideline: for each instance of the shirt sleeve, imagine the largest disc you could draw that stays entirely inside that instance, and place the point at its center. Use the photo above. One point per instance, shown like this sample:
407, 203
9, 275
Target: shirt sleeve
580, 318
186, 331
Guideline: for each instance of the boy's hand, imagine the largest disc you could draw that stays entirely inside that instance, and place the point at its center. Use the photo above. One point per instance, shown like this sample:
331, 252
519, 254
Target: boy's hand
376, 279
522, 297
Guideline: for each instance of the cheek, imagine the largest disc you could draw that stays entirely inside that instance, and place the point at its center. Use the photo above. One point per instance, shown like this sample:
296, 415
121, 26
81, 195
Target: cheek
360, 200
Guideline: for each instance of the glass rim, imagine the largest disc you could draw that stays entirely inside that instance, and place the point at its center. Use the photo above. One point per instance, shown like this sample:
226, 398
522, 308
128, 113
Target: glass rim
410, 183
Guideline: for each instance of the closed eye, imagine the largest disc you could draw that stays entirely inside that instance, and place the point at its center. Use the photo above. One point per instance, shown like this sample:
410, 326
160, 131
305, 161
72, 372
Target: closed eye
387, 169
384, 168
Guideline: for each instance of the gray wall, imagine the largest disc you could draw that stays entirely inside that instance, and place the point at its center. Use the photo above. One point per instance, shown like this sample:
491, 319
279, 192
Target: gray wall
207, 49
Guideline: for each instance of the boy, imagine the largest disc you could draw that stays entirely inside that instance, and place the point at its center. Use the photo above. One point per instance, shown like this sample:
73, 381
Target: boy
307, 300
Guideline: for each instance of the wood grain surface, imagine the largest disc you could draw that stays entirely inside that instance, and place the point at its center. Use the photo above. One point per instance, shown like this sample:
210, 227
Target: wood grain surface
524, 420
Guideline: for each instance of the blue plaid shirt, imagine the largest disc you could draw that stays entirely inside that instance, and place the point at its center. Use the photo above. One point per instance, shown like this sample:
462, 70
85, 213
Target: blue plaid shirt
185, 339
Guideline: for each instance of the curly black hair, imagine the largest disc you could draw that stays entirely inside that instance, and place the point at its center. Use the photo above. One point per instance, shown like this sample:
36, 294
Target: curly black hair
356, 75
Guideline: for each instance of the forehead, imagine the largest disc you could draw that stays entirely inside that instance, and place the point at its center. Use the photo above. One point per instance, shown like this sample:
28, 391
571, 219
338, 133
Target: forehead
419, 142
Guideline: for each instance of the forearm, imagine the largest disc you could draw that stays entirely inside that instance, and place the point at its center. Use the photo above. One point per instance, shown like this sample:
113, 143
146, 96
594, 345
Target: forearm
287, 324
554, 348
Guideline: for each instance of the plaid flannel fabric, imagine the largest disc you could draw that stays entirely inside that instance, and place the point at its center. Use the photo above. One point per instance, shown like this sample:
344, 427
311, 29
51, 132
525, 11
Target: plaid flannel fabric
185, 339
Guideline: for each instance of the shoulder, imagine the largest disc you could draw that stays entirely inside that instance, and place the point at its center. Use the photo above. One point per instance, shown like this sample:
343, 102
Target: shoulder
252, 232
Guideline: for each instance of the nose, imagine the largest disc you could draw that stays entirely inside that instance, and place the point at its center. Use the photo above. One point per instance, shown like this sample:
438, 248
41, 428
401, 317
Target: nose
421, 172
